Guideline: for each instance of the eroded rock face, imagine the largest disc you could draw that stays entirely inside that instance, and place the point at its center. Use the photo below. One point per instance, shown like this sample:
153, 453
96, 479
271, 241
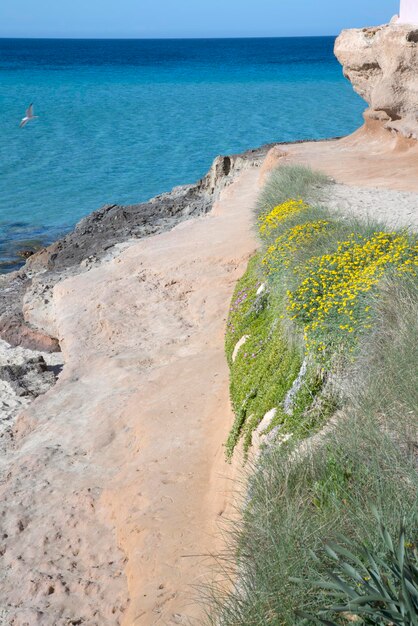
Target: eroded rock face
32, 378
26, 316
382, 65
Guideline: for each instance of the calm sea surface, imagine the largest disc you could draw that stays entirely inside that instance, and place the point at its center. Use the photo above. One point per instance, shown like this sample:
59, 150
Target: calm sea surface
122, 120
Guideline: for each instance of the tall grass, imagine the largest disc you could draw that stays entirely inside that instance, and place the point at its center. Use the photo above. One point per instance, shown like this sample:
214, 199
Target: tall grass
322, 273
294, 181
300, 494
299, 502
383, 382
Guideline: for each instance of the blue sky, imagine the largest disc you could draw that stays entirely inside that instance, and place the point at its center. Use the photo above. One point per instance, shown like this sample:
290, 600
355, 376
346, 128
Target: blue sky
188, 18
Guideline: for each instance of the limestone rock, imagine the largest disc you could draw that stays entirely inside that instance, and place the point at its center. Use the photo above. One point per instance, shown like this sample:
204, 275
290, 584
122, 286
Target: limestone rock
266, 421
17, 332
275, 157
382, 65
26, 316
239, 345
260, 437
31, 378
261, 289
297, 384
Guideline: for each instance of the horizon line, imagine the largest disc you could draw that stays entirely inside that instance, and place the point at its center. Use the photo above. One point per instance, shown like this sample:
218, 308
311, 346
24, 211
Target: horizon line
165, 38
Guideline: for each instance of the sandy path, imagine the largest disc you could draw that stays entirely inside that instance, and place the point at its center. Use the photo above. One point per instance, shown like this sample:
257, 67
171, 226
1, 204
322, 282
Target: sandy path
119, 477
371, 157
396, 209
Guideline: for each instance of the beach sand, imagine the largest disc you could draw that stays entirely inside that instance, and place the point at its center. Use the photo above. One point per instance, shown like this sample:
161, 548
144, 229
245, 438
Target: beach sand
117, 481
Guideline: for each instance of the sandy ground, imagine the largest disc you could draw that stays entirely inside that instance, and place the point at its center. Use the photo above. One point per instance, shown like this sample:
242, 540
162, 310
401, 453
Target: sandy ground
371, 157
396, 209
117, 479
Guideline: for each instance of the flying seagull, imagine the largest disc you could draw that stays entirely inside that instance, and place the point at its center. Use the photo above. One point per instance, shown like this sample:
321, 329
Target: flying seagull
28, 117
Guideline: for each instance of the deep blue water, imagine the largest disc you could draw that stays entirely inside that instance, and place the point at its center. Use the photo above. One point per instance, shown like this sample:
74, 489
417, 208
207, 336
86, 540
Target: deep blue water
122, 120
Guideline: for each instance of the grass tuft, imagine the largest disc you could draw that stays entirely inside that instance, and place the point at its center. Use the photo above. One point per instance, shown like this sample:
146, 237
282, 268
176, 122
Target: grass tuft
291, 181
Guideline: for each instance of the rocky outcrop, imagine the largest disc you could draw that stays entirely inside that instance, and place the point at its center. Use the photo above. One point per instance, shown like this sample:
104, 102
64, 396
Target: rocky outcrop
382, 65
26, 317
32, 378
275, 156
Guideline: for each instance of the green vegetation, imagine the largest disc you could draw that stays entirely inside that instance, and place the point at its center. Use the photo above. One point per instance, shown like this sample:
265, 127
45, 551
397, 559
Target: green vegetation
379, 590
308, 296
291, 182
330, 310
266, 365
299, 500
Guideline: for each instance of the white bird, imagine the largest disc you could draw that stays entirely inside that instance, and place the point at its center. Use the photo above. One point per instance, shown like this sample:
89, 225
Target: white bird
28, 117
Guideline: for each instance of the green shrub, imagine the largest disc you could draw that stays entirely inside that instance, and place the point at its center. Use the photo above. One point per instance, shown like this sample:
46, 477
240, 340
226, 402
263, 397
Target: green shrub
323, 274
300, 498
377, 589
266, 365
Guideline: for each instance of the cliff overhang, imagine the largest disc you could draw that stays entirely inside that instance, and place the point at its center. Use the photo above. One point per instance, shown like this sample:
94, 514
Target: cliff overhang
382, 65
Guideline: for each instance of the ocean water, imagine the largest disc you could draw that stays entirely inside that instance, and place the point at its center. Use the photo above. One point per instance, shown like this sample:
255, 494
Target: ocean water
122, 120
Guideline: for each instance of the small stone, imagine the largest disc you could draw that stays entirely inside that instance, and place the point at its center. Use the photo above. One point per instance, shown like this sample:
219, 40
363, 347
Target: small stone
239, 345
266, 421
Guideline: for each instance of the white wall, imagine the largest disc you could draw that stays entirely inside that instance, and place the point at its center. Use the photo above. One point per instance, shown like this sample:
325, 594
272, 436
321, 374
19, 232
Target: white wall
409, 12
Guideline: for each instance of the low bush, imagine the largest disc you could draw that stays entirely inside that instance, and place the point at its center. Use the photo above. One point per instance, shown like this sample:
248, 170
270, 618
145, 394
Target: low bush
319, 276
362, 584
296, 181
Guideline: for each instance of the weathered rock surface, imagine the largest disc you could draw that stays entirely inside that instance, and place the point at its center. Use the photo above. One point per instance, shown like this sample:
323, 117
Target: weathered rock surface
98, 526
26, 317
32, 378
24, 375
382, 65
275, 156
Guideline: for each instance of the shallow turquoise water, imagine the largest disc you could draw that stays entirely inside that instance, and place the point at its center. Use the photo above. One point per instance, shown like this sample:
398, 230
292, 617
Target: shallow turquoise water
120, 121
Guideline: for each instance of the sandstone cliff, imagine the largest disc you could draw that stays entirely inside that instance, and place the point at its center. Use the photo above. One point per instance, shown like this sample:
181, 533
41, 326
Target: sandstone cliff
382, 65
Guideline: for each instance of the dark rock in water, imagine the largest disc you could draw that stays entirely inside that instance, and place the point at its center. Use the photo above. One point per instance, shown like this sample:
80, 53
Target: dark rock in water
20, 241
25, 254
32, 378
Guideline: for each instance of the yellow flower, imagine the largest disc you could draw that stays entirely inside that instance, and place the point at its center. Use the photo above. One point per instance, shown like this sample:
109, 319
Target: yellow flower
281, 251
333, 284
267, 223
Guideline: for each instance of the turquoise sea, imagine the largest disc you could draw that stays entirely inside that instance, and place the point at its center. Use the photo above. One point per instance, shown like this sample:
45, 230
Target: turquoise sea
123, 120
